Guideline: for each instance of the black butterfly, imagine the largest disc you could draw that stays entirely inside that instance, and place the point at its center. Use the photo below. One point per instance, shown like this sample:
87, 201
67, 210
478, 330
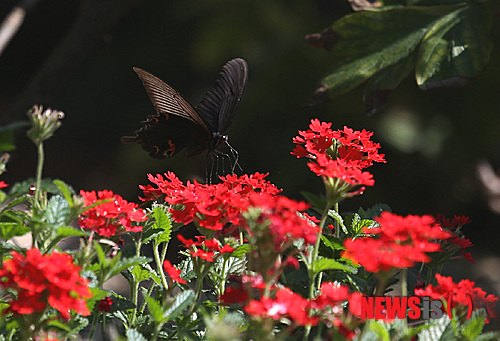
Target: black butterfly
179, 125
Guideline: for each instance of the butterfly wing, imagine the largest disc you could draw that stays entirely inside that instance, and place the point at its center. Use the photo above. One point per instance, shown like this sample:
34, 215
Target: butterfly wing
167, 100
177, 124
219, 105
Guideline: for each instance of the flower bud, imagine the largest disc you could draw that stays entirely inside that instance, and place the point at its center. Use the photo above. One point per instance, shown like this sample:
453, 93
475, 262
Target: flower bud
44, 123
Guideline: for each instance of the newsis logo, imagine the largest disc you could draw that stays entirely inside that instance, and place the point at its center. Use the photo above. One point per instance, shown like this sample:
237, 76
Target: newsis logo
413, 307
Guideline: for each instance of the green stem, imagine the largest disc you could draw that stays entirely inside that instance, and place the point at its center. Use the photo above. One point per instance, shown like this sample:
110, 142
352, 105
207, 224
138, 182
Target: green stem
404, 280
312, 266
39, 168
94, 323
159, 266
134, 285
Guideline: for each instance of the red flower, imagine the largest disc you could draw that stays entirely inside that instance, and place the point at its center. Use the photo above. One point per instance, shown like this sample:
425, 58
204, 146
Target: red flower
3, 184
398, 242
105, 304
332, 296
197, 249
452, 224
340, 154
110, 213
45, 280
461, 292
283, 222
234, 294
173, 272
286, 304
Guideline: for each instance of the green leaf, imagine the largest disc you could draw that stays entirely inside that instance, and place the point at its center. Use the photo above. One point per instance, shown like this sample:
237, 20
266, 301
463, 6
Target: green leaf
67, 231
15, 201
473, 327
241, 251
141, 273
335, 215
315, 200
58, 211
134, 335
373, 211
323, 264
180, 303
125, 264
155, 310
9, 230
66, 191
447, 44
370, 41
380, 86
374, 331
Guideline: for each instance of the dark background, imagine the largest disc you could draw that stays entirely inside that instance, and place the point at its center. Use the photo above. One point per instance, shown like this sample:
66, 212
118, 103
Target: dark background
77, 56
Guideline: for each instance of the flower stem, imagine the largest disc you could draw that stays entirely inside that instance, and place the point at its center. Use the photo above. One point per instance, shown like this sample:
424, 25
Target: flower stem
404, 280
312, 265
159, 266
38, 178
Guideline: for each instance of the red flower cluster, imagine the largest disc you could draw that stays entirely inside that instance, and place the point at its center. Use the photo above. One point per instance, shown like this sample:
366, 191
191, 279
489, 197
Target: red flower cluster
173, 272
284, 224
215, 206
461, 292
203, 248
452, 224
457, 239
45, 280
398, 242
340, 154
211, 206
328, 306
109, 213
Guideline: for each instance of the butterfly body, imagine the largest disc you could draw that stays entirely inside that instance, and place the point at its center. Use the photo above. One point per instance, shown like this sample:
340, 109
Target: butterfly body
179, 125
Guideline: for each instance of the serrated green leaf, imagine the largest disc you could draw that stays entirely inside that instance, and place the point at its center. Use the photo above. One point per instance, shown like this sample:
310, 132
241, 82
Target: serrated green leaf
180, 303
335, 215
134, 335
241, 251
439, 329
57, 212
155, 310
473, 327
140, 273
